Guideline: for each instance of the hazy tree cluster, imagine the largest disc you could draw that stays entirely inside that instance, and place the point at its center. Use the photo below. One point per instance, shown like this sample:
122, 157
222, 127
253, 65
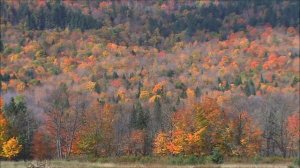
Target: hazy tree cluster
50, 16
163, 22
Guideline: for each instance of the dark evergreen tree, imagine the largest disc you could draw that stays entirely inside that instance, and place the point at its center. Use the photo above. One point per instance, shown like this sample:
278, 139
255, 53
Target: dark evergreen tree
183, 94
139, 89
238, 81
295, 81
250, 88
197, 92
115, 75
262, 79
157, 111
133, 118
178, 100
31, 21
1, 45
139, 118
219, 80
227, 86
142, 116
41, 19
59, 14
126, 82
97, 88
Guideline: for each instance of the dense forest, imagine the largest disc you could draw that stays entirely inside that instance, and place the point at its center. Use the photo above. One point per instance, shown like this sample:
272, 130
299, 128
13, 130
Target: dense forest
105, 78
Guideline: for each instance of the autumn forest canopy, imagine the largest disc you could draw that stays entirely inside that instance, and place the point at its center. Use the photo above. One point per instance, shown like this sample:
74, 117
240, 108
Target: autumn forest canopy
99, 78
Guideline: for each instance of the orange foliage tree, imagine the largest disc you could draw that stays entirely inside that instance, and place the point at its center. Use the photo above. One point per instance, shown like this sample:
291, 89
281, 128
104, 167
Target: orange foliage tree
184, 138
245, 136
293, 132
199, 130
136, 143
43, 146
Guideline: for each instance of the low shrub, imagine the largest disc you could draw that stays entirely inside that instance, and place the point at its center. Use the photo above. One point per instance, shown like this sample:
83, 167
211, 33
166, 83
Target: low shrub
297, 161
217, 157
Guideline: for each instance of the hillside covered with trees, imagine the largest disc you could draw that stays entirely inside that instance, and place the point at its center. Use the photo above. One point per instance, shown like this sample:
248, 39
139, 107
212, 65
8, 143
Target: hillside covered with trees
149, 78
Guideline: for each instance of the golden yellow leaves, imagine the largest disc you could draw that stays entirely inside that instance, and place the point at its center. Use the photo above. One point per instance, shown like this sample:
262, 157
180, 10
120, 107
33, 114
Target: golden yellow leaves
90, 86
154, 98
157, 91
122, 94
160, 144
185, 138
105, 53
11, 148
20, 87
40, 54
52, 59
177, 142
14, 57
190, 93
144, 95
3, 86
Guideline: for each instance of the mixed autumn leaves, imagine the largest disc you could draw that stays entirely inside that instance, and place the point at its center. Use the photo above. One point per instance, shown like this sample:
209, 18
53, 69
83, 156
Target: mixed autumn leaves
196, 130
89, 93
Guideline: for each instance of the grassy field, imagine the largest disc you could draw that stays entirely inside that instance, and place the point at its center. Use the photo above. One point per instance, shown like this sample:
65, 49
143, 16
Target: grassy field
79, 164
76, 164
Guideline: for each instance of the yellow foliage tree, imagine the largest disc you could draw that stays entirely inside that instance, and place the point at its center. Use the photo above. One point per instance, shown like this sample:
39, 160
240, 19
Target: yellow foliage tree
90, 85
105, 53
185, 138
20, 87
144, 94
14, 57
3, 86
190, 93
11, 148
160, 144
153, 98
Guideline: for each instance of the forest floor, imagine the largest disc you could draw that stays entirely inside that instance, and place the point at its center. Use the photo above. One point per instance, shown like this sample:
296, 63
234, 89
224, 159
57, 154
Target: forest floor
78, 164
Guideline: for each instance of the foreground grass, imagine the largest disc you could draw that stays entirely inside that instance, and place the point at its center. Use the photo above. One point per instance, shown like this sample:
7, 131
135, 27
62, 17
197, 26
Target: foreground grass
155, 162
76, 164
